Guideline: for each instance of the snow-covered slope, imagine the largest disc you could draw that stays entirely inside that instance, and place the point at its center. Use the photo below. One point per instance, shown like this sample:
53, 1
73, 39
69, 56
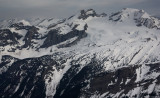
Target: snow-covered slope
140, 17
85, 55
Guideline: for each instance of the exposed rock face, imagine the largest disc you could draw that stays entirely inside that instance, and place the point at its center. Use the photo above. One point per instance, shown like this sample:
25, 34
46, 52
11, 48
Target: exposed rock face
8, 38
30, 35
122, 82
87, 55
54, 38
116, 85
85, 14
26, 78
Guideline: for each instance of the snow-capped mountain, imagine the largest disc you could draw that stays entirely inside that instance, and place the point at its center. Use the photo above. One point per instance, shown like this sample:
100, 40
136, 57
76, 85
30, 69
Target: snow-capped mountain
87, 55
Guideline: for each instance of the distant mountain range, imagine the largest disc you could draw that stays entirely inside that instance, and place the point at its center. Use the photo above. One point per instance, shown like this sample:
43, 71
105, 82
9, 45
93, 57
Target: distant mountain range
87, 55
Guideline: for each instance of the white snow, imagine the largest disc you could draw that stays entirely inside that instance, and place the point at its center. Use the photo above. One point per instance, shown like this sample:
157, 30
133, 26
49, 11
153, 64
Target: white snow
4, 68
127, 81
64, 29
68, 41
117, 94
26, 23
47, 22
135, 91
20, 32
0, 58
54, 77
5, 23
141, 72
89, 12
120, 44
151, 88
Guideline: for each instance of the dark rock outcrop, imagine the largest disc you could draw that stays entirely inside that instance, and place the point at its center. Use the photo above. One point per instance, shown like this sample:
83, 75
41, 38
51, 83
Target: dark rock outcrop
54, 37
85, 14
8, 38
25, 78
32, 33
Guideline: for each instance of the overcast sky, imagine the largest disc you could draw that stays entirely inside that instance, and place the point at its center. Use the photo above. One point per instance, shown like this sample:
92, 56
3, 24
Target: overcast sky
66, 8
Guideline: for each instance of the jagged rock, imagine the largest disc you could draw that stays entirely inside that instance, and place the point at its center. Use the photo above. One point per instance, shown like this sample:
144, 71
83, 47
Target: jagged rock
30, 35
8, 38
54, 38
87, 55
85, 14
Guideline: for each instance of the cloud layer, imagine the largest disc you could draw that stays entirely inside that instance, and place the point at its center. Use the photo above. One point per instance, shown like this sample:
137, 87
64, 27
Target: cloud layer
63, 8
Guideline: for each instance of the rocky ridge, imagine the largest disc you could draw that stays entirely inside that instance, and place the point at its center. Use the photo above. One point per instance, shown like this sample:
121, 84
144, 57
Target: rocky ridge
88, 55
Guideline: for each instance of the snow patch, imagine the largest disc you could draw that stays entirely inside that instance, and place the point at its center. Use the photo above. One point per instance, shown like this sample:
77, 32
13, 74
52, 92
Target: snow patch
53, 78
141, 72
26, 23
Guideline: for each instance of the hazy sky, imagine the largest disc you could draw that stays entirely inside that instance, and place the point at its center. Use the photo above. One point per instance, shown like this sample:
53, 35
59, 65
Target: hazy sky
66, 8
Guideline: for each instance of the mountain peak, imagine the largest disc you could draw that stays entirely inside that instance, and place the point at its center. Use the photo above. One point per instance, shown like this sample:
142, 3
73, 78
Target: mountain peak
129, 13
88, 12
130, 10
84, 14
86, 55
135, 12
24, 22
140, 17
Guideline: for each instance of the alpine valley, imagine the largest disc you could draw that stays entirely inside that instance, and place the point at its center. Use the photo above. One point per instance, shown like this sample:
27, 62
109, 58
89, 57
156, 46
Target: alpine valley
87, 55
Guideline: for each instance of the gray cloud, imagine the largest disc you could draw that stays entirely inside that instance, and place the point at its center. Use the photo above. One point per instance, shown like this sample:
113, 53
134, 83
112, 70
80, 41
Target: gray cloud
65, 8
65, 3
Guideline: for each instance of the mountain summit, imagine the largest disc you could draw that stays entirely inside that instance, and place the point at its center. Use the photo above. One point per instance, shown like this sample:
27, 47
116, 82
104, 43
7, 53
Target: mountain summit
87, 55
139, 16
